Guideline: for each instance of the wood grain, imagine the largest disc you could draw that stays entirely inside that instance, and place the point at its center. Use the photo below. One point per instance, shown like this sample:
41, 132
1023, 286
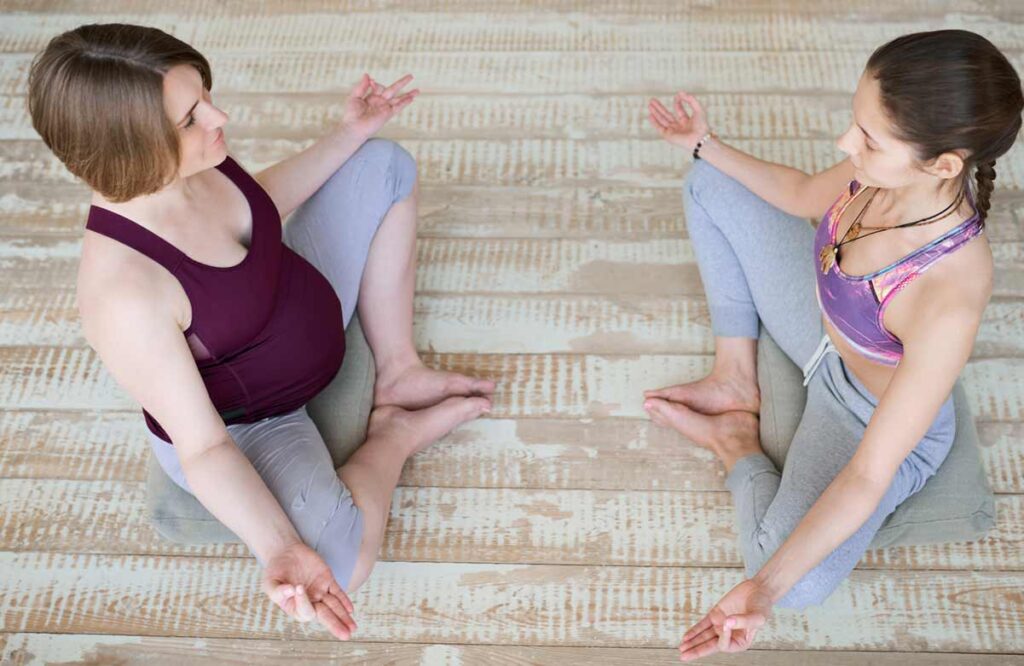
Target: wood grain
516, 162
480, 525
532, 385
515, 324
28, 649
527, 72
550, 605
460, 211
506, 31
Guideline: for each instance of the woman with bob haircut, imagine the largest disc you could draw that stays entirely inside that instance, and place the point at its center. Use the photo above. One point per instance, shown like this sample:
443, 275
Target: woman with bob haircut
223, 322
880, 306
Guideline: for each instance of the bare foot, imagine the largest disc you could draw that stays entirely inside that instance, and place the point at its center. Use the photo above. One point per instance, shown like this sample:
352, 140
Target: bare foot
415, 386
730, 436
420, 428
717, 393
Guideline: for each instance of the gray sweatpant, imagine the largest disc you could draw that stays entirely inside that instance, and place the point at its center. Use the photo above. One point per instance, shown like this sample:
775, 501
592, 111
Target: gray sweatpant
332, 230
756, 262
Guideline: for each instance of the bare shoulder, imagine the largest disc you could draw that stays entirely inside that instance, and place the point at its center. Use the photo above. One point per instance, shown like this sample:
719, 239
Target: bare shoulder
959, 285
116, 281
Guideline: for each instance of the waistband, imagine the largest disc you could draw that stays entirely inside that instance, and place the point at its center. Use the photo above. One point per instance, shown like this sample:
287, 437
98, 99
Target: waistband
824, 347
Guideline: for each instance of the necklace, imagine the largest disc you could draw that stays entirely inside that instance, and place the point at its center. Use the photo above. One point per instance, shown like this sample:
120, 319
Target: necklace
829, 254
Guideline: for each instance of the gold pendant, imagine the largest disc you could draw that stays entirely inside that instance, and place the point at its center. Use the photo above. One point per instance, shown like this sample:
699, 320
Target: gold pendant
855, 230
827, 257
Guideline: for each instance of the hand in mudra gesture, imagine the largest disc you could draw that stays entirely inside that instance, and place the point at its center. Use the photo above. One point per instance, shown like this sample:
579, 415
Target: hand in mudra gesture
679, 128
370, 105
731, 625
299, 581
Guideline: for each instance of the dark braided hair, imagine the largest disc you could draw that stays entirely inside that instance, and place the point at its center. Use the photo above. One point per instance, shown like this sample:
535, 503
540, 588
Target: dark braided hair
949, 90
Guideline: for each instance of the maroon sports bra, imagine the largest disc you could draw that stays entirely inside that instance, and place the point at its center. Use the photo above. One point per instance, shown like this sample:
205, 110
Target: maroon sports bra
267, 333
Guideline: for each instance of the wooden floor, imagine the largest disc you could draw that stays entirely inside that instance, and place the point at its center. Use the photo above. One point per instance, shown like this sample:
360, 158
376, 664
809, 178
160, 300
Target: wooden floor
564, 529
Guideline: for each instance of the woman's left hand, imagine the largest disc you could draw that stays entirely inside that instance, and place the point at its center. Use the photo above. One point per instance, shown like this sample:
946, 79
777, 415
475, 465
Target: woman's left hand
370, 105
731, 625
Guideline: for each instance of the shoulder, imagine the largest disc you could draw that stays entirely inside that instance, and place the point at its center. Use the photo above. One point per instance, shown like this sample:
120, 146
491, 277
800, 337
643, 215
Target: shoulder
117, 285
953, 292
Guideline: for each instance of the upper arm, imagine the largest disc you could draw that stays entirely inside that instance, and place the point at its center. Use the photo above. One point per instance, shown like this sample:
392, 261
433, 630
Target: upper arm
821, 190
937, 343
142, 346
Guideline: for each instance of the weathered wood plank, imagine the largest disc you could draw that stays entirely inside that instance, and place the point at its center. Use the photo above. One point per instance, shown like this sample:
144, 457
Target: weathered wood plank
529, 385
490, 453
503, 604
29, 649
518, 162
389, 32
525, 73
456, 211
557, 116
655, 11
533, 323
480, 525
659, 267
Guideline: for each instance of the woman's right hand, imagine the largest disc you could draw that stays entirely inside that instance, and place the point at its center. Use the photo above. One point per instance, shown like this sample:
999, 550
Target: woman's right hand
679, 128
299, 581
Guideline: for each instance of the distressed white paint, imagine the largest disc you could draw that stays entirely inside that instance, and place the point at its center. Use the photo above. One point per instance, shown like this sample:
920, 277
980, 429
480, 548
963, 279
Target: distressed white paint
541, 136
575, 32
479, 525
648, 162
502, 604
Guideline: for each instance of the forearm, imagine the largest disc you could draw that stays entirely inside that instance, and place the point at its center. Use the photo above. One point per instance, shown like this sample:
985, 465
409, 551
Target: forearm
777, 184
293, 180
227, 484
840, 511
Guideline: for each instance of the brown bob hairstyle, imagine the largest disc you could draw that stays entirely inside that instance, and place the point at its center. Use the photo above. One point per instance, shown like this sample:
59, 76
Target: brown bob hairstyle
96, 98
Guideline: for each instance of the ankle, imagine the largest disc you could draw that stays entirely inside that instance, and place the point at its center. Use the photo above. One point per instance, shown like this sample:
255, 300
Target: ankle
394, 364
736, 357
739, 441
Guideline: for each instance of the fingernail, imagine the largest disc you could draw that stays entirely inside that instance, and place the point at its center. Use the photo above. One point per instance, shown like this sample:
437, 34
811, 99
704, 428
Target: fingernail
730, 623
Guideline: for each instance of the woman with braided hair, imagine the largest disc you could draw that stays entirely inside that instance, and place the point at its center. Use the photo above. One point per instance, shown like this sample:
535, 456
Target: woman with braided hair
893, 283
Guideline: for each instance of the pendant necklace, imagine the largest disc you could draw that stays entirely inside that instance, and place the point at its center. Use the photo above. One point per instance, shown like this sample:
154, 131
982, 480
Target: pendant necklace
829, 254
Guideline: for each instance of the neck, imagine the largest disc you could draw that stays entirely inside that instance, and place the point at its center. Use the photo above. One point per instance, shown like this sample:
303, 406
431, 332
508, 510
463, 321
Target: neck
178, 191
917, 200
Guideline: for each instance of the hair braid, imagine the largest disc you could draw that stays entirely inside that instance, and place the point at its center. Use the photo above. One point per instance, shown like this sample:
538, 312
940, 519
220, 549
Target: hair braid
985, 175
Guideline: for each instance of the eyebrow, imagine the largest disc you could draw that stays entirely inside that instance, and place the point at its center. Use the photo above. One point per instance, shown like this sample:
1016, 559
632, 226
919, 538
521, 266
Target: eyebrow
191, 109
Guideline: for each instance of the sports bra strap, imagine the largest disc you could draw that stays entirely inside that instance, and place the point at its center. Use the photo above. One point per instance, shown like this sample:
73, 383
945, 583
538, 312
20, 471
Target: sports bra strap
135, 236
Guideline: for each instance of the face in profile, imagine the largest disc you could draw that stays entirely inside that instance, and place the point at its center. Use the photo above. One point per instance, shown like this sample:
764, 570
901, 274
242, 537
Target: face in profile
880, 159
199, 123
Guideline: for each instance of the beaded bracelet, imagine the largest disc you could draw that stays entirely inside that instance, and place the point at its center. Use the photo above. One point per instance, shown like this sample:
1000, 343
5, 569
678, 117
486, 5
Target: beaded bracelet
696, 149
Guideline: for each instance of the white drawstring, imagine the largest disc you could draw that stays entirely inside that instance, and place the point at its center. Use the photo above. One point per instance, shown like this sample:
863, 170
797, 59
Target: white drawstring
824, 347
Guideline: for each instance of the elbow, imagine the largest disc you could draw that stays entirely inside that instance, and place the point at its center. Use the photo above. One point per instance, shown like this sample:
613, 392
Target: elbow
192, 452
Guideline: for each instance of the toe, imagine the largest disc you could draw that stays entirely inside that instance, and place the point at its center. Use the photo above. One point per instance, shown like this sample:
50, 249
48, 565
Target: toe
484, 386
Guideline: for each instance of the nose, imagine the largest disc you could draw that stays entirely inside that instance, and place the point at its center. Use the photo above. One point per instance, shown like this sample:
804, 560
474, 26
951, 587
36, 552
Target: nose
844, 144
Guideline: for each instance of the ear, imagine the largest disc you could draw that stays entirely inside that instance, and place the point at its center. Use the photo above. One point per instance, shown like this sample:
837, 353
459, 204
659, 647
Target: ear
947, 165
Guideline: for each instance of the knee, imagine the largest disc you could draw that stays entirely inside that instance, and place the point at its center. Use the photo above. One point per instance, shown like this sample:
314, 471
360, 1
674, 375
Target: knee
705, 183
698, 177
385, 166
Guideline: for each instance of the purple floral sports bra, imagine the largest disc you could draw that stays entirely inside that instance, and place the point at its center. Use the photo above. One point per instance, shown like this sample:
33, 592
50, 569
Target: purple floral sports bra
855, 304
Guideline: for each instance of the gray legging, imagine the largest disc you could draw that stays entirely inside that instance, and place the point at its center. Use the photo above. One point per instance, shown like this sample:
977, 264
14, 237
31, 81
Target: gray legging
757, 262
333, 231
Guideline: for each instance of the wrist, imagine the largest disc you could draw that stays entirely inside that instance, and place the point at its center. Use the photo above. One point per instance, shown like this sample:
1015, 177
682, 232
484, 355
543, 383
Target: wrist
346, 136
272, 545
702, 143
768, 581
